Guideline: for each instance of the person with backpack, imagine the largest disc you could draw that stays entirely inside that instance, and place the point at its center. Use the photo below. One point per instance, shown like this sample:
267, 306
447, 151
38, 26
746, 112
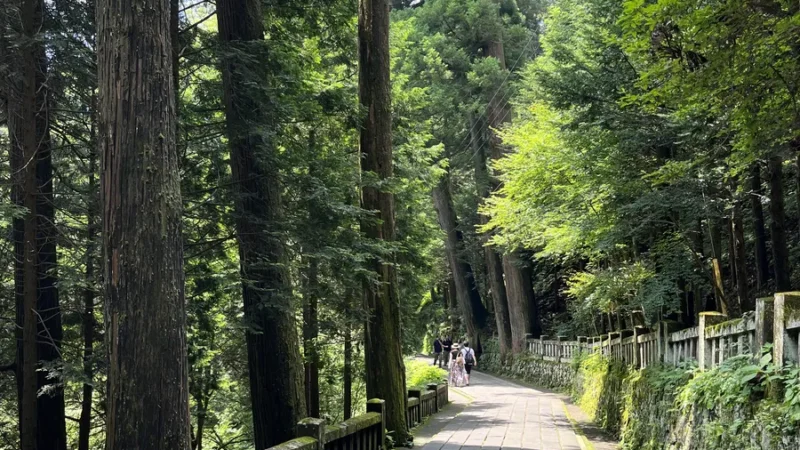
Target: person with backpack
469, 360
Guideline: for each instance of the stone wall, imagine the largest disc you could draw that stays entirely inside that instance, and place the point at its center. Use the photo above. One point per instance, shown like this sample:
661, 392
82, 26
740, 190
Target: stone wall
528, 368
734, 407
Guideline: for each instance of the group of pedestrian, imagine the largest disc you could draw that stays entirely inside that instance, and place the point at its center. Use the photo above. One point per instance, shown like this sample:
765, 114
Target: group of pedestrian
459, 359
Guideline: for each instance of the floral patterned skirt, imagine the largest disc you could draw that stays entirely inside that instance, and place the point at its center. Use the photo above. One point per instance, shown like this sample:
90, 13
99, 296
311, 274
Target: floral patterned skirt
458, 376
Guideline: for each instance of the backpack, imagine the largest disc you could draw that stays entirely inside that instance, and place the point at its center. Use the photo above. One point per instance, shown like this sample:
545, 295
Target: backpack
469, 357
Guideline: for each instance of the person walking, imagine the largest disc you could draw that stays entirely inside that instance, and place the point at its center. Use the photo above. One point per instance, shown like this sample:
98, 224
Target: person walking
437, 352
457, 374
447, 347
470, 361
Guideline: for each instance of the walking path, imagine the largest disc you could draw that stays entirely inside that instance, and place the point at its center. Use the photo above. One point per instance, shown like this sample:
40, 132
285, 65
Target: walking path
494, 414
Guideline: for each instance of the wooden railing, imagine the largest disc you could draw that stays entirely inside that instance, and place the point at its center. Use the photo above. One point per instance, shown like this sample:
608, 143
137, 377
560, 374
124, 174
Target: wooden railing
366, 431
776, 320
425, 402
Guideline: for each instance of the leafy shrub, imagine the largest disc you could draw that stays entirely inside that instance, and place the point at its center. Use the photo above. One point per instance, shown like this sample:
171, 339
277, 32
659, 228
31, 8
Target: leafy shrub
419, 373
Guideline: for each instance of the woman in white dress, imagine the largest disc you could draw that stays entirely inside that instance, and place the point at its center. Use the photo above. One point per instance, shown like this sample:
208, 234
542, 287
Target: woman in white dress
458, 375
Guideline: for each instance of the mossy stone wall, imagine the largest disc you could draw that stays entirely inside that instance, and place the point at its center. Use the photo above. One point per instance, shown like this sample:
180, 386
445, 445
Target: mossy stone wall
667, 408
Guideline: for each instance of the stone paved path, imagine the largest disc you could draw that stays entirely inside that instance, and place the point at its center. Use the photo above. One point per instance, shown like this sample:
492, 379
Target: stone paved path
500, 415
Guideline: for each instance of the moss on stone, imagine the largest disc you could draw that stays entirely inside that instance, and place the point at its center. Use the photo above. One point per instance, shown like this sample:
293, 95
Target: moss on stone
719, 326
301, 443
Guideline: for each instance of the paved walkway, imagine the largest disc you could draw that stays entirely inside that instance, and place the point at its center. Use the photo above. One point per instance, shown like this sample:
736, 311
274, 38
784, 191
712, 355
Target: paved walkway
494, 414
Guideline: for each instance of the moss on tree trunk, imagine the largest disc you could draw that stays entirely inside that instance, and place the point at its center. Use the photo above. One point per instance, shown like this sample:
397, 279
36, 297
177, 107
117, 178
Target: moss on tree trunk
382, 341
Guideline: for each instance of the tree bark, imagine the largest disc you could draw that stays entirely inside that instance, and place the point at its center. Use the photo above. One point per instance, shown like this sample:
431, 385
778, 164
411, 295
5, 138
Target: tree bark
174, 37
780, 251
494, 266
382, 340
534, 318
740, 259
347, 373
85, 421
275, 365
520, 301
715, 232
38, 315
795, 145
310, 336
474, 313
759, 230
142, 243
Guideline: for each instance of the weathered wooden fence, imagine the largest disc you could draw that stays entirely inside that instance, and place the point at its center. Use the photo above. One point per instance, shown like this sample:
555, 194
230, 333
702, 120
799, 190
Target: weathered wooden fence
776, 320
425, 402
366, 431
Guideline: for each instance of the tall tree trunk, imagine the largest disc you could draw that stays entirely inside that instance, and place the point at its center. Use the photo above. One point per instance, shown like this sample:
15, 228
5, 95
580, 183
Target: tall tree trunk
715, 232
795, 145
274, 362
739, 257
347, 373
174, 37
202, 411
472, 286
310, 336
474, 313
85, 421
520, 301
759, 230
39, 312
142, 243
382, 340
494, 266
780, 250
534, 318
21, 120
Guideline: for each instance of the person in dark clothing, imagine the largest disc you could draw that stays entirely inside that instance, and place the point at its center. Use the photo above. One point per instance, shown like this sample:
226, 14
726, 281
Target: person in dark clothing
447, 346
437, 352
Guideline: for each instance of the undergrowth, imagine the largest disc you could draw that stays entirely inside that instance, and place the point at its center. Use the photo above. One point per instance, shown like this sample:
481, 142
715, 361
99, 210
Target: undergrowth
421, 373
740, 405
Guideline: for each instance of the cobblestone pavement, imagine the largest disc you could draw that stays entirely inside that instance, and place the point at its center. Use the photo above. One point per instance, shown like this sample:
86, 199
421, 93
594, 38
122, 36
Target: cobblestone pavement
498, 415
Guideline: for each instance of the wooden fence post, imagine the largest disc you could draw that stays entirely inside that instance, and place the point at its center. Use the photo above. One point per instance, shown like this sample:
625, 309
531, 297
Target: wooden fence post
528, 342
542, 349
611, 336
765, 316
435, 388
704, 355
561, 352
784, 348
637, 357
378, 405
665, 329
314, 428
583, 344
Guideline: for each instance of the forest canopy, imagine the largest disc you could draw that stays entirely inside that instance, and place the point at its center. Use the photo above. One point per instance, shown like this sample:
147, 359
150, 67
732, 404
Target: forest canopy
280, 200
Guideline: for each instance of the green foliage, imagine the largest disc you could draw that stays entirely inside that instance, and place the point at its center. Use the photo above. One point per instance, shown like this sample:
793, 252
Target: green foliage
728, 407
648, 410
419, 373
598, 389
